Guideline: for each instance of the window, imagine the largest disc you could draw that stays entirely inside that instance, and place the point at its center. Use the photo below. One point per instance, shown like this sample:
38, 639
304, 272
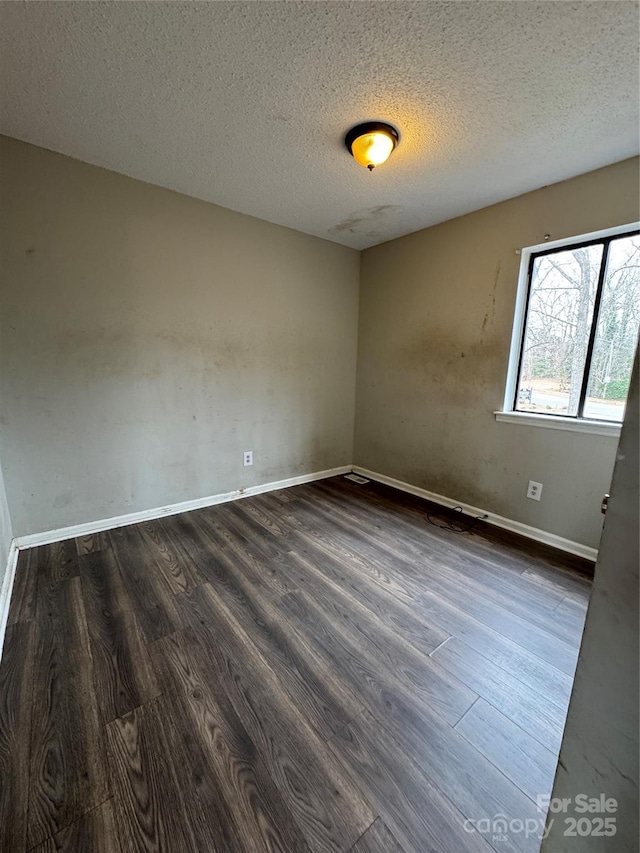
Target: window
576, 330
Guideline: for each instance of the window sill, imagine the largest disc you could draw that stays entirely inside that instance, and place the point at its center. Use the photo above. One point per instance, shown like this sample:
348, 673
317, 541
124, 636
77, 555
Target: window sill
557, 422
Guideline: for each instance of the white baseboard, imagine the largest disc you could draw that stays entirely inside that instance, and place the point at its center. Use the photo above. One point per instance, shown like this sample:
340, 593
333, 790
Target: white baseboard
49, 536
7, 587
499, 521
33, 540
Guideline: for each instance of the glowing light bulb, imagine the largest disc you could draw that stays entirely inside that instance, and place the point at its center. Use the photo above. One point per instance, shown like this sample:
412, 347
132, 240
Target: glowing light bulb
371, 143
372, 149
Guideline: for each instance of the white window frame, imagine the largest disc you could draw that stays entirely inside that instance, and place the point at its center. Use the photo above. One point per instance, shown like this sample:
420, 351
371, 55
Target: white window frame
563, 422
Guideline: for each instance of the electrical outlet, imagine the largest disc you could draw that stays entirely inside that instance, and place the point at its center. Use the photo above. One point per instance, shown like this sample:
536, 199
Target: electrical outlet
247, 458
534, 490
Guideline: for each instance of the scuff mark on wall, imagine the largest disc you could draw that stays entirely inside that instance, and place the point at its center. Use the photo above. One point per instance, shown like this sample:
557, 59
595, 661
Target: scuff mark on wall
434, 357
495, 287
485, 319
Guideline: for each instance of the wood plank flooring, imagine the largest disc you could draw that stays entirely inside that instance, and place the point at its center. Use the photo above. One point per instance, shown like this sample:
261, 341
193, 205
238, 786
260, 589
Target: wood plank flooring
316, 670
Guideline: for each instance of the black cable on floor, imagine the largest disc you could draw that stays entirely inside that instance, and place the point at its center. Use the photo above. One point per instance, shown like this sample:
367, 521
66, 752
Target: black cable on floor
452, 527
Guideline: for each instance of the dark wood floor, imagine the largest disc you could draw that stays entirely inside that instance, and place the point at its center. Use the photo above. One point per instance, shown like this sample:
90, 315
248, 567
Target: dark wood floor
317, 669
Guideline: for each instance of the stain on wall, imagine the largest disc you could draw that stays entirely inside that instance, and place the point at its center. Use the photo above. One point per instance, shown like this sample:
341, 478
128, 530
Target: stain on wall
148, 338
436, 315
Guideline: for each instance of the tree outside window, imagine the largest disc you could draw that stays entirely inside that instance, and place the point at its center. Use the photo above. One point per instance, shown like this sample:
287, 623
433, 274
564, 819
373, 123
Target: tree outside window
581, 329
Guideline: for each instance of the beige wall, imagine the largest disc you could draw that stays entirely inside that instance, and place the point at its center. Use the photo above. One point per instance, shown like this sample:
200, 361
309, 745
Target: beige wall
599, 753
148, 339
436, 313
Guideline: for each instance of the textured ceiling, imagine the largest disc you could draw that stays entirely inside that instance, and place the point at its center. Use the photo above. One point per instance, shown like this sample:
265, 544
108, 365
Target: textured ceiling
245, 104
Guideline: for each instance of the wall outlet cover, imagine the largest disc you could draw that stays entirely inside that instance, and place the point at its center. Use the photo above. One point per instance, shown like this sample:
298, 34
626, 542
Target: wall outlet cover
247, 458
534, 490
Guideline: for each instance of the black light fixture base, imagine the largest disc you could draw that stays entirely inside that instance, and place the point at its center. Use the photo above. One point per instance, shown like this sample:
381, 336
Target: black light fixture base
370, 127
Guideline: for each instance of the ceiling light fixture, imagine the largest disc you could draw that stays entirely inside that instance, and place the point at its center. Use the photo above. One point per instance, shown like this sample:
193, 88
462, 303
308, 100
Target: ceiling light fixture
371, 143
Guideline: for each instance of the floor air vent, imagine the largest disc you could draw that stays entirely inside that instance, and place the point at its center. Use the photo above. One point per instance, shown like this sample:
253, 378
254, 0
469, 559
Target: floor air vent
356, 478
